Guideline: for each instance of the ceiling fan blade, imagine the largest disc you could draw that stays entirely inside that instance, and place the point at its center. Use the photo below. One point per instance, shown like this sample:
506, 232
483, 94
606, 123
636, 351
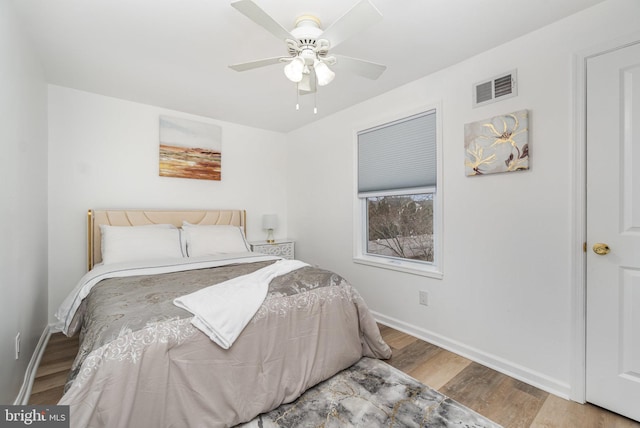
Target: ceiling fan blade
359, 17
368, 69
252, 11
255, 64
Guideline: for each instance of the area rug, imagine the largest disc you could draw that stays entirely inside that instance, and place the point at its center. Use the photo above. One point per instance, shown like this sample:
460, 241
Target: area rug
371, 394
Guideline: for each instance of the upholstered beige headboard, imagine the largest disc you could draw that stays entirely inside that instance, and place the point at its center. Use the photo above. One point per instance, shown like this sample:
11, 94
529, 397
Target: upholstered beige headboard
144, 217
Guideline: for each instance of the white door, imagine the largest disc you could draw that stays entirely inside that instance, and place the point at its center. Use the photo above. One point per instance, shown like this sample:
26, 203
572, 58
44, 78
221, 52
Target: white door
613, 219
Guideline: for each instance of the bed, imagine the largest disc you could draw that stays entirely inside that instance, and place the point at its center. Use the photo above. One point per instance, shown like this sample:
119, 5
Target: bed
145, 361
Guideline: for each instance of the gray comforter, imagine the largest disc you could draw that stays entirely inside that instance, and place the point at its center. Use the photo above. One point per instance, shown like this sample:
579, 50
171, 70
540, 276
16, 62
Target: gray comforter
141, 362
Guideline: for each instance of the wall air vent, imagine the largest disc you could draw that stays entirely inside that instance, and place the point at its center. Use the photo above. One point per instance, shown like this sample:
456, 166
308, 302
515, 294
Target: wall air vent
495, 89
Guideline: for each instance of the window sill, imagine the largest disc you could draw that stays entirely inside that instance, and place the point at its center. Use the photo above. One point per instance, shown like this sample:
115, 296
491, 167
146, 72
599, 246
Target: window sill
401, 266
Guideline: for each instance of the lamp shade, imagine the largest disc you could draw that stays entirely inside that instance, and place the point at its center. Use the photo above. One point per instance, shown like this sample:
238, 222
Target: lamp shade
294, 70
324, 74
269, 221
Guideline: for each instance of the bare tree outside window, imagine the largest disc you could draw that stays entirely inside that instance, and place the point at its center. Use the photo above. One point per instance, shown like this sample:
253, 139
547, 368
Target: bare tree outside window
401, 226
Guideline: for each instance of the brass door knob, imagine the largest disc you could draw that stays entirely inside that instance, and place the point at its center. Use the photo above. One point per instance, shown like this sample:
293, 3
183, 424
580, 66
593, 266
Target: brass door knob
601, 249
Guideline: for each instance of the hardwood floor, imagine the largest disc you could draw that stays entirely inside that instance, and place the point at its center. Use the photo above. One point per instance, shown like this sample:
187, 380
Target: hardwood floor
53, 369
501, 398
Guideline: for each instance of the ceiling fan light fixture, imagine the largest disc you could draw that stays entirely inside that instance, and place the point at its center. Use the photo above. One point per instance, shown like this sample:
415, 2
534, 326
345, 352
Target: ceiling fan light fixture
324, 74
294, 70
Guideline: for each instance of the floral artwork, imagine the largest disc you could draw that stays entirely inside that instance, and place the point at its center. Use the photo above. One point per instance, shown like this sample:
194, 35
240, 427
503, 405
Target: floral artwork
499, 144
190, 149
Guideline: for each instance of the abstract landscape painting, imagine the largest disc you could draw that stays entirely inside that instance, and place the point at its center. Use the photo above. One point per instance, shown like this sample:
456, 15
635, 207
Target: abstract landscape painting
498, 144
190, 149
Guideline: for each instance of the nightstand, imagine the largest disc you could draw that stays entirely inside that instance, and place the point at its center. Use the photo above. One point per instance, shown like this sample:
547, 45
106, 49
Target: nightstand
282, 248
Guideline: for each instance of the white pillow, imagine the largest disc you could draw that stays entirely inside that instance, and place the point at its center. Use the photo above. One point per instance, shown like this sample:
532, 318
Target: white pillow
214, 239
134, 243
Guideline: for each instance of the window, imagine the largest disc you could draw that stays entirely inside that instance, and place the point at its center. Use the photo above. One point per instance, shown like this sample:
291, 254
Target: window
398, 195
401, 226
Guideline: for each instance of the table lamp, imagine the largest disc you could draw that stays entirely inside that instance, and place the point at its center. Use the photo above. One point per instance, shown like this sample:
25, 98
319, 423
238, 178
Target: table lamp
269, 222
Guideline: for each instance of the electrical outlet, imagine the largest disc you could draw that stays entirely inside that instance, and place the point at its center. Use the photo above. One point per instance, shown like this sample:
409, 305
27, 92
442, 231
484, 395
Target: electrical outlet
17, 346
424, 298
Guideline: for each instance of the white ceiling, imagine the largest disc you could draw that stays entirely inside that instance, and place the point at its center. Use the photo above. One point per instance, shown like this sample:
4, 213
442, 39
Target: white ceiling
175, 53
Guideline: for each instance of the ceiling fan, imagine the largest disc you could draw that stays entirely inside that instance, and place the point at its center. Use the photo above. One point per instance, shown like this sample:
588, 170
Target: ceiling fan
308, 45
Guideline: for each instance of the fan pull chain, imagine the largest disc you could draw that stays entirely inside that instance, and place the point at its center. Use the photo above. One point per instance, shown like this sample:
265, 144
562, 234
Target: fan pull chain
315, 100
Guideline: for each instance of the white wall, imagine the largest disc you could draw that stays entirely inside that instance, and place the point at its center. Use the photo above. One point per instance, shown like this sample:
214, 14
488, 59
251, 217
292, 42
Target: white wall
23, 192
505, 298
103, 153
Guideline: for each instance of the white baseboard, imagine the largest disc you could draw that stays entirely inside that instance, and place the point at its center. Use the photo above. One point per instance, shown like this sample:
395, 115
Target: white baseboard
32, 368
509, 368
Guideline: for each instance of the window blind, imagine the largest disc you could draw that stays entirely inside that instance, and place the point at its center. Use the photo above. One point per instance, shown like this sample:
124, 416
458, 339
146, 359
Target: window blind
398, 155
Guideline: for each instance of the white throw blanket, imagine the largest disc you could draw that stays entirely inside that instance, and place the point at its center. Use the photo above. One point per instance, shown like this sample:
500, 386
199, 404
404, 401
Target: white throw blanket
223, 310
